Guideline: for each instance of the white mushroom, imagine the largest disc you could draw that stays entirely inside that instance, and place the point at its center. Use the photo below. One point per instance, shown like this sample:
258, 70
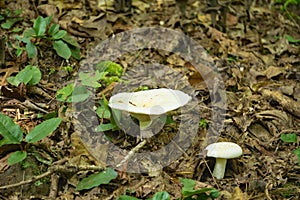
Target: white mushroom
148, 105
222, 151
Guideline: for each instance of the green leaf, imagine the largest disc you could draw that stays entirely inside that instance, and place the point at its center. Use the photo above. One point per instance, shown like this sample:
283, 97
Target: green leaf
95, 180
112, 68
16, 157
42, 130
53, 29
291, 39
60, 34
105, 127
91, 80
161, 196
297, 153
36, 74
215, 193
75, 52
39, 26
28, 33
30, 74
62, 49
10, 22
188, 184
70, 40
114, 71
103, 112
10, 131
126, 197
31, 50
290, 137
65, 92
79, 94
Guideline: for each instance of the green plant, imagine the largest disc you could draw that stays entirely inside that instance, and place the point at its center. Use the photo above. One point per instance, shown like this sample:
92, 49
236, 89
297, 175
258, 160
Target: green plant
285, 4
291, 138
104, 113
106, 73
43, 32
97, 179
203, 123
11, 18
188, 192
113, 71
12, 134
29, 75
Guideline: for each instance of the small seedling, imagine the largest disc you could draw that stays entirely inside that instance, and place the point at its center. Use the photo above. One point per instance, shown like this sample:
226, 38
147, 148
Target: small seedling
29, 75
97, 179
291, 138
11, 18
12, 134
203, 123
106, 73
44, 32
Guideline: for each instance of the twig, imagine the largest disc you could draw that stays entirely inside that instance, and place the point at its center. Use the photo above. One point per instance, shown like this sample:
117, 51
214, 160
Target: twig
2, 51
131, 152
55, 169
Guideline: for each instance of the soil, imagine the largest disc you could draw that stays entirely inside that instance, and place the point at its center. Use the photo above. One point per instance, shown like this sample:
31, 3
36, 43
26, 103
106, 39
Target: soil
245, 82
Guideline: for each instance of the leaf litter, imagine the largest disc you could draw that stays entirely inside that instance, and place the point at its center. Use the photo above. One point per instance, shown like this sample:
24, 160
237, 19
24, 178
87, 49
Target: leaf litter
257, 57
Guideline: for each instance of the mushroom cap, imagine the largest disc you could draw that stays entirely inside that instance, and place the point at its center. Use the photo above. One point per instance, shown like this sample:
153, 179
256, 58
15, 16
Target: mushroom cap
149, 102
224, 150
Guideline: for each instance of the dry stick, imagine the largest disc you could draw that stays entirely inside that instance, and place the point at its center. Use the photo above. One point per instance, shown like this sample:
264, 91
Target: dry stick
54, 169
2, 50
131, 152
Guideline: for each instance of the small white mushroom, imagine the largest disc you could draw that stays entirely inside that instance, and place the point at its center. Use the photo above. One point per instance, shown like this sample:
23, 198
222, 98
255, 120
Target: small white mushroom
148, 105
222, 151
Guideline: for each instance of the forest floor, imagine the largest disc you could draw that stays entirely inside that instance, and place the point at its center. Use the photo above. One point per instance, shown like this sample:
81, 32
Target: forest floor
244, 80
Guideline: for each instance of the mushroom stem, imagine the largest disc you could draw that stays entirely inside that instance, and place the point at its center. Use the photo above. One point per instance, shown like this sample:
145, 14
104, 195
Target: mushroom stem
220, 167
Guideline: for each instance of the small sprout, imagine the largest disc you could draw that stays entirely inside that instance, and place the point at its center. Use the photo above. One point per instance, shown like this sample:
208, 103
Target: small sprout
222, 151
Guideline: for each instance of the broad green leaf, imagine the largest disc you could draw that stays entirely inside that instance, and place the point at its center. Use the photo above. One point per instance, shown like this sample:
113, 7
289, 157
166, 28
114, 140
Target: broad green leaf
65, 92
53, 29
62, 49
161, 196
60, 34
31, 50
16, 157
290, 137
30, 74
103, 112
95, 180
10, 131
75, 52
39, 26
36, 75
79, 94
126, 197
28, 33
105, 127
188, 184
10, 22
91, 80
70, 40
43, 130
